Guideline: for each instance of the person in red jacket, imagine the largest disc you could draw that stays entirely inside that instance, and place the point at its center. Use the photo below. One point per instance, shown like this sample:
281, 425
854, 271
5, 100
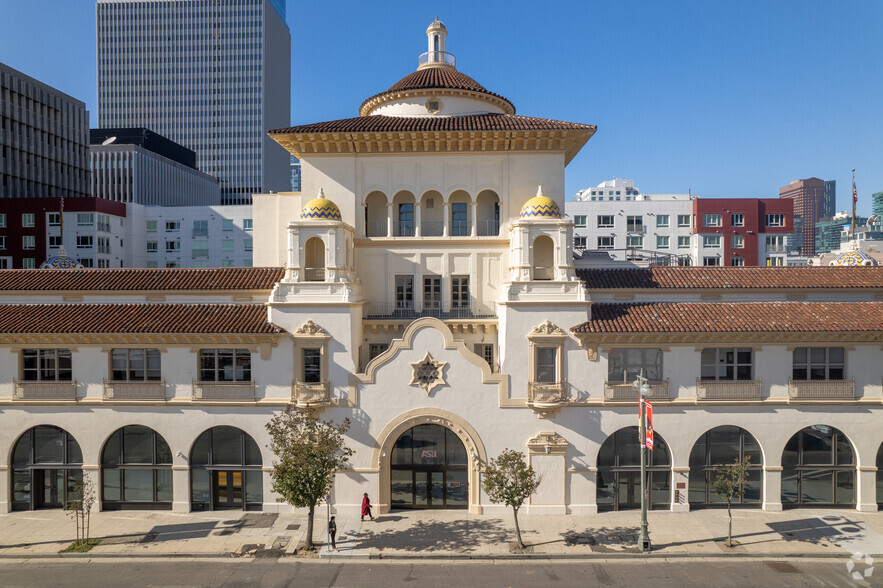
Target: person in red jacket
366, 507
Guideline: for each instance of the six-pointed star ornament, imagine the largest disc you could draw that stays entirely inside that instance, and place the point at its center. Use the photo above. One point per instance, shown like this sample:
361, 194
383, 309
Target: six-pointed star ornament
428, 373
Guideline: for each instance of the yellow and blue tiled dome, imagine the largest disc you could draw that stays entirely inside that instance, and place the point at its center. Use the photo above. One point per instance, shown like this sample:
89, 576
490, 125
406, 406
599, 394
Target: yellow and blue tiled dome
854, 258
61, 261
540, 207
320, 208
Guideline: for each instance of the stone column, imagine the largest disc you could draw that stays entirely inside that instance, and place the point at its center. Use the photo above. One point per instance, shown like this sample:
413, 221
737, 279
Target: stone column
5, 498
389, 217
180, 487
772, 488
866, 490
474, 208
416, 219
447, 220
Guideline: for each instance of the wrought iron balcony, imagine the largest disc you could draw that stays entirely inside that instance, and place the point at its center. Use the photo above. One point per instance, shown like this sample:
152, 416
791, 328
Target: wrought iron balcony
543, 394
312, 394
223, 391
406, 310
728, 389
45, 390
134, 390
821, 389
439, 57
626, 392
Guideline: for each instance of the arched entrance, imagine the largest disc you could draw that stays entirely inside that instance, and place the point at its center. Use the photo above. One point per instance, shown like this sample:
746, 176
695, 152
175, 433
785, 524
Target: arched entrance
818, 468
47, 468
724, 446
619, 472
136, 470
225, 471
429, 469
314, 260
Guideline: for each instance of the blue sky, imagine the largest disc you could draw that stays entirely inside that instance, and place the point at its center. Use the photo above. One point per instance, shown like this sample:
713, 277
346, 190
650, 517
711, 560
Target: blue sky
726, 99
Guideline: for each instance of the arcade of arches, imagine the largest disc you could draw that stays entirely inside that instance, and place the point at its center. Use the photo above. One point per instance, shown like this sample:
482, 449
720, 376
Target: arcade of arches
428, 469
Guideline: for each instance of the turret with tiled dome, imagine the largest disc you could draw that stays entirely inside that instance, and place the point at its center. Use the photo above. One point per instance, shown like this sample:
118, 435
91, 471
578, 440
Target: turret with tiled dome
540, 206
320, 208
61, 261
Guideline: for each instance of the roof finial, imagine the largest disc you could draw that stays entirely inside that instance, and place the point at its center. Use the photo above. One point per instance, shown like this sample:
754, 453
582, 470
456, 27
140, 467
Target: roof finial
540, 191
321, 193
436, 56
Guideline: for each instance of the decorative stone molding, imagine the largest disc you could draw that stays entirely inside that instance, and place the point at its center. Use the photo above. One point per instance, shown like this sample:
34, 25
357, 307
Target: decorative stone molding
428, 373
547, 328
548, 443
592, 353
310, 328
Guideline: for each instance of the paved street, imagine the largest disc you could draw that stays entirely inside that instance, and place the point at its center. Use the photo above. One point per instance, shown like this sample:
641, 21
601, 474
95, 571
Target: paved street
289, 572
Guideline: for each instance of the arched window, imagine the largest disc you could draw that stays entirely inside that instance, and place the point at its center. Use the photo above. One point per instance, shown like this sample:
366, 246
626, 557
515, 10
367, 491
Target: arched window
47, 468
543, 258
136, 470
225, 471
314, 260
488, 213
428, 469
818, 467
376, 215
619, 472
724, 446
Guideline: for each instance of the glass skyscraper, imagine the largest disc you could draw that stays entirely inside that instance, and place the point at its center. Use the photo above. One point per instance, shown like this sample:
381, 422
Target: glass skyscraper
212, 75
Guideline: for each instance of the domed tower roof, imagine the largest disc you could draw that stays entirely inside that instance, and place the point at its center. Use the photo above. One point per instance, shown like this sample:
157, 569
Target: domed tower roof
61, 261
854, 258
540, 206
436, 77
320, 208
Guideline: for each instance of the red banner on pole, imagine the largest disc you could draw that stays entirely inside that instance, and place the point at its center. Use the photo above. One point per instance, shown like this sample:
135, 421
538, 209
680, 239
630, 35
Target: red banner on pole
648, 440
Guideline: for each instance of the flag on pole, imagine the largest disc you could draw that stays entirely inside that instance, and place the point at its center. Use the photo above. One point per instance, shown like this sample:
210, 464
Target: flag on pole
854, 193
648, 441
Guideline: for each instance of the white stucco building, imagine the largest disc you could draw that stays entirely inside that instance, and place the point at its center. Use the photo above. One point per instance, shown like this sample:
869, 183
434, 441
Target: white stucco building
422, 285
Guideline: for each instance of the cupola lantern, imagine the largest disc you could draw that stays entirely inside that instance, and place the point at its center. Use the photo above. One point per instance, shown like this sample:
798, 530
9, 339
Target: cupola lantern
436, 56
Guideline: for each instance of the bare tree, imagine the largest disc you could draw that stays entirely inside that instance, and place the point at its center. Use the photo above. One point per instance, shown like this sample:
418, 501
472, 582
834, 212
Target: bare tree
308, 451
508, 479
729, 484
80, 509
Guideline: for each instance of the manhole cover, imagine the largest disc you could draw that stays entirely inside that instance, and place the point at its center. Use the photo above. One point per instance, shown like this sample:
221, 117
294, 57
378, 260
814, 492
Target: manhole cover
293, 527
783, 567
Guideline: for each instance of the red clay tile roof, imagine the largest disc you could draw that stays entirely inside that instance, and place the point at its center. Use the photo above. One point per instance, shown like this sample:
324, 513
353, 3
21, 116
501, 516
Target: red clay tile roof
401, 124
125, 279
437, 77
135, 318
734, 317
732, 277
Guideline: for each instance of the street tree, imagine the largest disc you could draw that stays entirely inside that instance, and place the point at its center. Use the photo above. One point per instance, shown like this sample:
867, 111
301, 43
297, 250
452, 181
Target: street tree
308, 453
80, 509
508, 479
729, 484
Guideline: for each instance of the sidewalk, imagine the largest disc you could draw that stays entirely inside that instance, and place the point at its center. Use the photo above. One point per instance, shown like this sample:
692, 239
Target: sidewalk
458, 534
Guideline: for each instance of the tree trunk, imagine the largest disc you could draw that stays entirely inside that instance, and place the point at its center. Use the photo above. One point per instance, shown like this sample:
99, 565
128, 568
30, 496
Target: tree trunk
517, 529
730, 531
86, 533
310, 527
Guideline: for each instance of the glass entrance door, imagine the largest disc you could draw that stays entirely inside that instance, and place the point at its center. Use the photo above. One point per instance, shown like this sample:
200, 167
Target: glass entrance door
50, 488
227, 489
429, 469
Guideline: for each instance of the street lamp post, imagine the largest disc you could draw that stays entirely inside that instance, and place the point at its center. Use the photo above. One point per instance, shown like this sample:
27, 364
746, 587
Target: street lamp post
644, 391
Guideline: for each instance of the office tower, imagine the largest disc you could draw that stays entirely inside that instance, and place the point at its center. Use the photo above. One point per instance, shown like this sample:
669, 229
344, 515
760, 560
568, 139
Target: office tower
211, 75
44, 143
829, 199
809, 204
138, 166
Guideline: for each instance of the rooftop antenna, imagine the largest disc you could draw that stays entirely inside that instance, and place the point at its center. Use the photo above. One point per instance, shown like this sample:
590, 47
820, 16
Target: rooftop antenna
854, 201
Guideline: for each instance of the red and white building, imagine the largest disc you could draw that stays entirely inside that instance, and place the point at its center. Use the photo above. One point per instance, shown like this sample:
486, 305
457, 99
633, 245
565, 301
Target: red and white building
741, 231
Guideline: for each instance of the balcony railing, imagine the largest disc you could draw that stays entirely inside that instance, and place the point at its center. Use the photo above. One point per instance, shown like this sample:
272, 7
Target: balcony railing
541, 394
200, 232
376, 228
309, 394
821, 389
223, 390
626, 392
436, 57
403, 228
45, 390
728, 389
488, 228
406, 310
432, 228
314, 274
134, 390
